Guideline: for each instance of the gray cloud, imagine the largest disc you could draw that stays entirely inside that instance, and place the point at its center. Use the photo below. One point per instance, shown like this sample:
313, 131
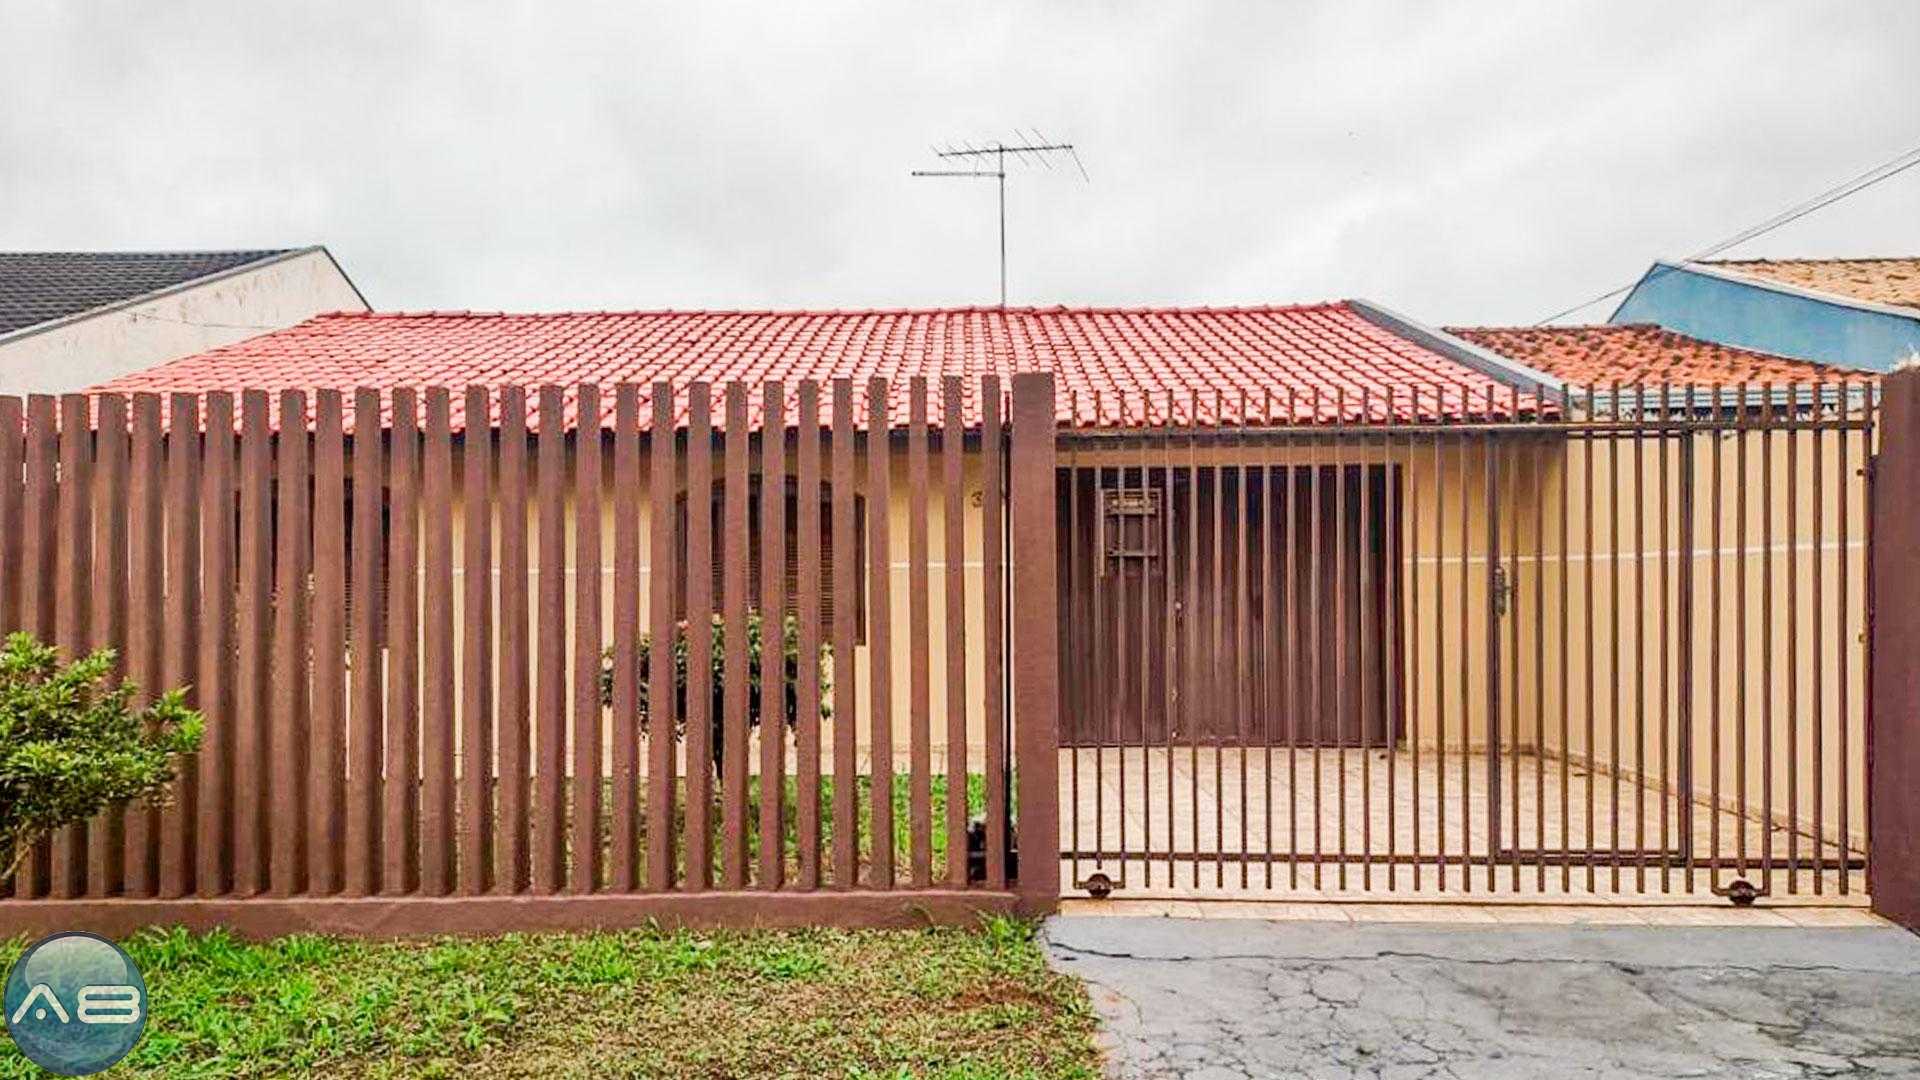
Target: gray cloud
1464, 162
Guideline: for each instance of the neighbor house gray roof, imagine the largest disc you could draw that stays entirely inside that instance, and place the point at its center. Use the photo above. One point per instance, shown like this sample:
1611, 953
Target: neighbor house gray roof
44, 286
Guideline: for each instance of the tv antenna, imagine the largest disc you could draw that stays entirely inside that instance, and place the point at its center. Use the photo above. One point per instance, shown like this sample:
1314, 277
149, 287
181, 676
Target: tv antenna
1031, 147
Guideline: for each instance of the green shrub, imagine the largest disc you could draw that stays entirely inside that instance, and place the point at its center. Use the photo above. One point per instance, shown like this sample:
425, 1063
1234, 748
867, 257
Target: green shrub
72, 746
790, 646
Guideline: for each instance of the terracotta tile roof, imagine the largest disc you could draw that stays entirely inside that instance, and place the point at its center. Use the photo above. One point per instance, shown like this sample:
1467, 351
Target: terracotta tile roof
41, 286
1882, 281
1130, 360
1640, 353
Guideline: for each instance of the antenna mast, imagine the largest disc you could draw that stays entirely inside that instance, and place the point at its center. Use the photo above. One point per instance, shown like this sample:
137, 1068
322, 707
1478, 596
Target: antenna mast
1034, 147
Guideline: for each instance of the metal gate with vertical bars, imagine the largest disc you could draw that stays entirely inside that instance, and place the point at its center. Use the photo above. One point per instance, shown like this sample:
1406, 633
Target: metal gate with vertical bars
1591, 642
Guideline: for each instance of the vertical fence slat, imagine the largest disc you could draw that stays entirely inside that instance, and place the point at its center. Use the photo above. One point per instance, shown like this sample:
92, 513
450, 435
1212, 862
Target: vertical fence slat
662, 713
326, 727
287, 747
217, 647
361, 874
774, 720
550, 646
73, 555
437, 687
107, 622
178, 646
807, 433
477, 747
919, 677
400, 824
252, 633
12, 525
1035, 641
584, 868
145, 591
994, 682
699, 618
510, 836
953, 553
38, 574
733, 605
879, 629
846, 585
625, 698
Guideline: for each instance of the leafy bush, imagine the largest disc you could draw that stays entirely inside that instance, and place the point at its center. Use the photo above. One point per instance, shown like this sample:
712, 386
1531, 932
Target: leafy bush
790, 646
72, 746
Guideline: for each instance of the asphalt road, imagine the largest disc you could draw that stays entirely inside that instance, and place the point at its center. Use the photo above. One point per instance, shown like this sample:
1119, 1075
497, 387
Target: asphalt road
1222, 998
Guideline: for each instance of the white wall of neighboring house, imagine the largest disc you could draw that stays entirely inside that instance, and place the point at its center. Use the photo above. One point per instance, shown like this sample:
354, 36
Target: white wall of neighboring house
86, 349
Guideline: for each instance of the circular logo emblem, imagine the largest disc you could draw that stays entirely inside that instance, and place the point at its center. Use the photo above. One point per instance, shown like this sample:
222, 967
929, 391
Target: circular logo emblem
75, 1003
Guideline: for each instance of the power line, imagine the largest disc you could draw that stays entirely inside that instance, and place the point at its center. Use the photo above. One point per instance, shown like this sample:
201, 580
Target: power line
1886, 170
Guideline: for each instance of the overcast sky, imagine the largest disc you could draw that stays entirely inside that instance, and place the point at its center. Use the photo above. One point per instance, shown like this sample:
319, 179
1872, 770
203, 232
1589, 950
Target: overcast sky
1479, 162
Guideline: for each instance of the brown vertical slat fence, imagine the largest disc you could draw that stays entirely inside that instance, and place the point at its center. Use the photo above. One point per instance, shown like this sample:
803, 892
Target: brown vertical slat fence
464, 671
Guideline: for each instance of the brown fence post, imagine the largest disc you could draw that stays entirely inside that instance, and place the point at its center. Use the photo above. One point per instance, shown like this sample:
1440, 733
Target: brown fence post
1035, 645
1893, 729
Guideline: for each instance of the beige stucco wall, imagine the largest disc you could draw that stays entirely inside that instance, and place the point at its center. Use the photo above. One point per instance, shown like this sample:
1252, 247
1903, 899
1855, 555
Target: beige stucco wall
78, 354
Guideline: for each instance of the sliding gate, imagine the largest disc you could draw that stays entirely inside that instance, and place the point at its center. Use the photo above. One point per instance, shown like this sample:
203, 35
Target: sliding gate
1592, 643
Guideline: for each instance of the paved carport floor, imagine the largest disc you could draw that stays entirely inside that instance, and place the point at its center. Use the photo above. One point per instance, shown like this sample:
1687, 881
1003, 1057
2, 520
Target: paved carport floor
1205, 998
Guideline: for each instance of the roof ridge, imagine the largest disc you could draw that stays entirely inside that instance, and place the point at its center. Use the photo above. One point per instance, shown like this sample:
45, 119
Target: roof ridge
975, 309
1813, 260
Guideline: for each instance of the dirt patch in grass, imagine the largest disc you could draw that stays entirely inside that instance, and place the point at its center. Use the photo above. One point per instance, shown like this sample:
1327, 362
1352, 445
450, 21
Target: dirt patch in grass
954, 1004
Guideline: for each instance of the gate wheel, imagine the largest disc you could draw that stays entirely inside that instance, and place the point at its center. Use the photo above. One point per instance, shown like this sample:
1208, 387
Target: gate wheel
1098, 885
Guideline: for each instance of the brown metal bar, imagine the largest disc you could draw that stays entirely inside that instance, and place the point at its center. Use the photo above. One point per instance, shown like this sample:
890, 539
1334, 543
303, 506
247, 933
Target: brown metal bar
1592, 701
698, 821
624, 842
1565, 653
145, 568
362, 863
1243, 658
38, 585
585, 826
1538, 466
1145, 664
1218, 700
1640, 639
734, 604
1291, 649
511, 864
1613, 648
1666, 622
919, 662
1366, 692
1194, 712
179, 850
1412, 473
845, 554
248, 748
879, 632
107, 621
1172, 701
549, 822
1465, 653
400, 871
1439, 637
993, 541
774, 720
1818, 647
216, 779
1843, 633
287, 745
1741, 427
1490, 476
1793, 646
1510, 474
1716, 421
73, 567
1269, 650
327, 727
1073, 632
1340, 626
953, 553
1767, 689
1689, 475
437, 674
807, 621
1316, 609
663, 590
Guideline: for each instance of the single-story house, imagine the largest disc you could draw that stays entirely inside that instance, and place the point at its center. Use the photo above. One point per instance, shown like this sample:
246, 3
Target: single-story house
1466, 522
1857, 313
70, 319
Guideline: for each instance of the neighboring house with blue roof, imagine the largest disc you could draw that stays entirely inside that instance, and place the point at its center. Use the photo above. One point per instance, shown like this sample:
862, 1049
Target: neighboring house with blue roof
1860, 313
70, 319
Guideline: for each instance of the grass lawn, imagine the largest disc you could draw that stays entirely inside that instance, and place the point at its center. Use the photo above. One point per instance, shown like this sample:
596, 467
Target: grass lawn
958, 1004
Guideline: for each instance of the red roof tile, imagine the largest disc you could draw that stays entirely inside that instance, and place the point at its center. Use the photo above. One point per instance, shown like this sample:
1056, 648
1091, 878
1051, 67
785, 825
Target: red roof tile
1882, 281
1640, 353
1114, 365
